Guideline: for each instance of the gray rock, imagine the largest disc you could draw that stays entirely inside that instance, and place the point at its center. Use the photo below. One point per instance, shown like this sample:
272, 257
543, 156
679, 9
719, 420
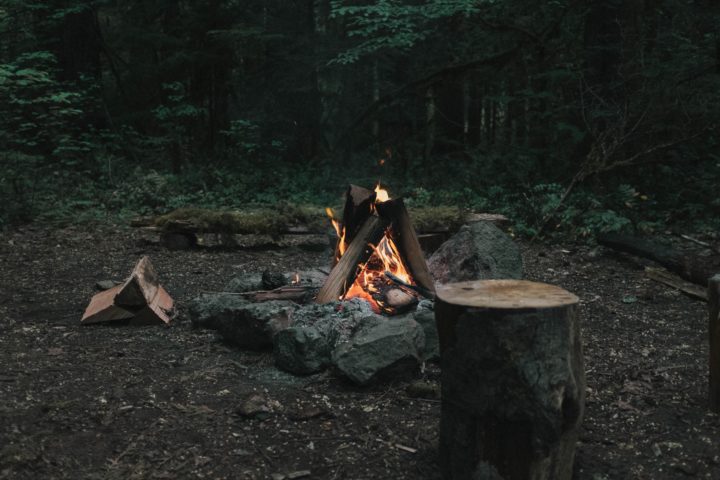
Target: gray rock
306, 347
249, 325
247, 282
106, 284
426, 318
273, 279
204, 311
479, 251
383, 347
253, 325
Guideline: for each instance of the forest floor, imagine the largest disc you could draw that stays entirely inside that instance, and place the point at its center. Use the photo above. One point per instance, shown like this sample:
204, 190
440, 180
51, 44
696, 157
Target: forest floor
162, 402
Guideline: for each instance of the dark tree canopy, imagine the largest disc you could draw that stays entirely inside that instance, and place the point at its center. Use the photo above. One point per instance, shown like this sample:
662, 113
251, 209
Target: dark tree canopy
581, 116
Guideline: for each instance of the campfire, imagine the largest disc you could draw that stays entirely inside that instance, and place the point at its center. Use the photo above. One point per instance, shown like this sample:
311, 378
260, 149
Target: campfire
377, 255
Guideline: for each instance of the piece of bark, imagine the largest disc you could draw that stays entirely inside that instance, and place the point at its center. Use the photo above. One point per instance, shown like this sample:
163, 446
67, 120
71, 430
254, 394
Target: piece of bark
358, 252
103, 309
713, 293
406, 240
140, 288
513, 382
288, 292
663, 276
694, 269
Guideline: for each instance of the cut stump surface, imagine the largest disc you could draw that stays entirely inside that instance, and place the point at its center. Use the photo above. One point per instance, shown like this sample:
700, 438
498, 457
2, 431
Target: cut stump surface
513, 382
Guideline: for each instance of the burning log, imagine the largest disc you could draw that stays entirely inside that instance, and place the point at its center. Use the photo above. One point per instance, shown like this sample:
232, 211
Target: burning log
407, 241
513, 383
399, 300
714, 327
356, 255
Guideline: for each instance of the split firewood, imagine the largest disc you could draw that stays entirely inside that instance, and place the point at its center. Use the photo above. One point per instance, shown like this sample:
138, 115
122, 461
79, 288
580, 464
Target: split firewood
140, 288
140, 299
407, 242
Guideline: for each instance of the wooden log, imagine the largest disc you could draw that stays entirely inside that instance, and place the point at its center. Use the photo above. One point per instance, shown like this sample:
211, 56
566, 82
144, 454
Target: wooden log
141, 286
694, 269
714, 330
358, 208
357, 253
156, 311
407, 241
103, 309
399, 300
513, 383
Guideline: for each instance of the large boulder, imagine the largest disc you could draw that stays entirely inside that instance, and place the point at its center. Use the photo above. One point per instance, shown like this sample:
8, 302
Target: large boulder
247, 325
479, 251
205, 310
306, 346
381, 348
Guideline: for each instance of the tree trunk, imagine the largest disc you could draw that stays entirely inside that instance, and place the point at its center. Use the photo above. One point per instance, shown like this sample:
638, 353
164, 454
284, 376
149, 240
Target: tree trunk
714, 329
513, 382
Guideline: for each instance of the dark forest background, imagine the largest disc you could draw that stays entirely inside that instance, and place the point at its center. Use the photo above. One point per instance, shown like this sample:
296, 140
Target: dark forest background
579, 116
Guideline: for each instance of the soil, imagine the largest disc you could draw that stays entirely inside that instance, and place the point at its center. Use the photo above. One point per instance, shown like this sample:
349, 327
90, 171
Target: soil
175, 402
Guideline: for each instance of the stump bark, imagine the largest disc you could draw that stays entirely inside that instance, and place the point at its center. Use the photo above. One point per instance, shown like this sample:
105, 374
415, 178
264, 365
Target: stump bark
513, 381
714, 329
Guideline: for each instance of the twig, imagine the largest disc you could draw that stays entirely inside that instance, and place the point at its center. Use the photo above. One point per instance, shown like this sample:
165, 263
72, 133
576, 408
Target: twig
700, 242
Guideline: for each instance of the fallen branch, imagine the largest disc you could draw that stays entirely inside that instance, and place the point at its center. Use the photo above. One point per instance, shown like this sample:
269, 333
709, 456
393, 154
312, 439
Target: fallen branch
694, 269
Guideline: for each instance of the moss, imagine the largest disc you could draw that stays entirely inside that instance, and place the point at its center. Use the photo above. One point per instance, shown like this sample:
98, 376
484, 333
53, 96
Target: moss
279, 219
437, 219
262, 221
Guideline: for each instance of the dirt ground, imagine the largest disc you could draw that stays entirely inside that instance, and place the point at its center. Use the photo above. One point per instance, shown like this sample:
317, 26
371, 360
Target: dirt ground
162, 402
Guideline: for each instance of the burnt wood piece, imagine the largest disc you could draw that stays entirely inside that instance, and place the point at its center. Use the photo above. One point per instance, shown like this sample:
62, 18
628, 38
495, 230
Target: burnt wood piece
398, 281
358, 252
294, 293
714, 330
406, 240
141, 286
358, 208
513, 382
694, 269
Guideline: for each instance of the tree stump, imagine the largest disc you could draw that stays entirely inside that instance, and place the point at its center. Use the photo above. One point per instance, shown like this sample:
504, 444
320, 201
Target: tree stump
513, 382
714, 329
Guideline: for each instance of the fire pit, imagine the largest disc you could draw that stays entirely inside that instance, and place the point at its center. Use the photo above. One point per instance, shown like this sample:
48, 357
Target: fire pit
377, 256
370, 317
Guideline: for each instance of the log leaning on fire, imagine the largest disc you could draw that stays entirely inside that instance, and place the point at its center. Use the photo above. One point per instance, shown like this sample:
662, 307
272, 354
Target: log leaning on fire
357, 254
407, 241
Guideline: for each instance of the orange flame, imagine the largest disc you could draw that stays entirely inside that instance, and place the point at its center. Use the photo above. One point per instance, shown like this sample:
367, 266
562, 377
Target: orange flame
381, 195
340, 230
